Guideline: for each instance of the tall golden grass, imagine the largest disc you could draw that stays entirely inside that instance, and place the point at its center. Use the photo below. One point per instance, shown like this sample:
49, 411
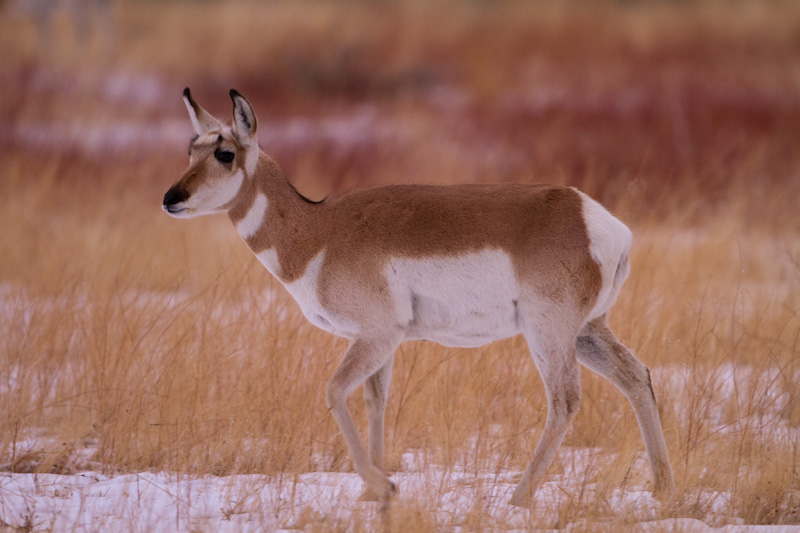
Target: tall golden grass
162, 345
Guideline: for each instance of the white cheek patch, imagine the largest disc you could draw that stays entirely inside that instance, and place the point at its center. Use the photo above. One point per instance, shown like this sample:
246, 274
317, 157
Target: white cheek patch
211, 197
229, 188
254, 218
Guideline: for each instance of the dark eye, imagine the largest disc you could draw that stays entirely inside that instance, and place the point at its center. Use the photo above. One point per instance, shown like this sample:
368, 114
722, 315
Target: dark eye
223, 156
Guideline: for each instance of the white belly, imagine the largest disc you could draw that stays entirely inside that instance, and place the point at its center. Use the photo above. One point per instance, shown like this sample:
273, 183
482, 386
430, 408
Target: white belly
466, 301
463, 301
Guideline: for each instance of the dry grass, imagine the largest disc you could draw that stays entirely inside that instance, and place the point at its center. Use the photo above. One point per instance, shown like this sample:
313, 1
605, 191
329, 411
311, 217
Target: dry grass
162, 345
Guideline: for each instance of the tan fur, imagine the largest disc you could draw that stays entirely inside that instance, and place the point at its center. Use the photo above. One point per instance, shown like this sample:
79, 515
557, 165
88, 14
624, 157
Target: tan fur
295, 228
203, 170
539, 226
338, 258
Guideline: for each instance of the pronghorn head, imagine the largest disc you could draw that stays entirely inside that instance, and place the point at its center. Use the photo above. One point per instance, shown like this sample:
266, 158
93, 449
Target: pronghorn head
221, 157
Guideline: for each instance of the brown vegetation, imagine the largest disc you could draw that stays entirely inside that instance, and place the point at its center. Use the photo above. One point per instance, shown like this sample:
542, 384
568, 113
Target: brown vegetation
160, 344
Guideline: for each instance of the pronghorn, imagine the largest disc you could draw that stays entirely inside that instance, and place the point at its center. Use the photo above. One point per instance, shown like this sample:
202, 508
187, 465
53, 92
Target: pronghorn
462, 265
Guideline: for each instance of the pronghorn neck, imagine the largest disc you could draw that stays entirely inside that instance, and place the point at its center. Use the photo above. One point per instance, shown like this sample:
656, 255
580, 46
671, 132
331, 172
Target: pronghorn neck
276, 221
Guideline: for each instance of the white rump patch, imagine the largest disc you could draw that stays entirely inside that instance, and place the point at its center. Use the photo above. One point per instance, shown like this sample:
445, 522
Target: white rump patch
610, 241
248, 226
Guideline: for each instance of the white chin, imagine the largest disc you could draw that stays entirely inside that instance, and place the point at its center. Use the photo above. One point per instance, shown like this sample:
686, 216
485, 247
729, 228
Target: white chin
184, 212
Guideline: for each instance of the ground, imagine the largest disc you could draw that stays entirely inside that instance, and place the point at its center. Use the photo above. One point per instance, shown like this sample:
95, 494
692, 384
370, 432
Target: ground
153, 375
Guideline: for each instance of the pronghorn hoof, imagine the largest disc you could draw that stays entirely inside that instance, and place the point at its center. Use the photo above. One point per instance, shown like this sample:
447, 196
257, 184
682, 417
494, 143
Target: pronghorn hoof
369, 495
519, 500
665, 495
519, 503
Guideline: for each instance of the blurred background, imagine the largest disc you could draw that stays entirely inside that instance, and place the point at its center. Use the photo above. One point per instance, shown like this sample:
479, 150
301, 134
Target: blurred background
132, 341
637, 102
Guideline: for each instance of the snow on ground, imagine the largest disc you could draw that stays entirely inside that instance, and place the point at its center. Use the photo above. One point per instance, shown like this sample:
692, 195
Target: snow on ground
163, 501
167, 502
90, 501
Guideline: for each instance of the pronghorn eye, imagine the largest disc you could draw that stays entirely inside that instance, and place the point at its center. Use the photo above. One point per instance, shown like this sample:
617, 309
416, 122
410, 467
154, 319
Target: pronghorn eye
223, 156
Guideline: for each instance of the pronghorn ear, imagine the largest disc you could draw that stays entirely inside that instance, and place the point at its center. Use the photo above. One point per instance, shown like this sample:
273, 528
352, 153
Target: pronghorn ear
201, 119
244, 118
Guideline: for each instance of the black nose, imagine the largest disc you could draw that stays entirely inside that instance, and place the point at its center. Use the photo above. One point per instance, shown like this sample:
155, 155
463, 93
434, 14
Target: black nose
174, 196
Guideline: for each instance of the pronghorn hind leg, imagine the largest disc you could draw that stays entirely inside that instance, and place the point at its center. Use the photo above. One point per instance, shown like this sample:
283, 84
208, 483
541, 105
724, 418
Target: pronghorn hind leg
363, 359
561, 376
376, 390
599, 350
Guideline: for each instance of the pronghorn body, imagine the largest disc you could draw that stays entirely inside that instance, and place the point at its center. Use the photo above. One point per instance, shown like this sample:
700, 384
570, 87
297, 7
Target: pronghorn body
403, 268
460, 265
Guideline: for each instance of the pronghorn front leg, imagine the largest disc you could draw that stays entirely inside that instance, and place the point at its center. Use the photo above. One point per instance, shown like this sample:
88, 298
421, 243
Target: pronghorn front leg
376, 389
364, 358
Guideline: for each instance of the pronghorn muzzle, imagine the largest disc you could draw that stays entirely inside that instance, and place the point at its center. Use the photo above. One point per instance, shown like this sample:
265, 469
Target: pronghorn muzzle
174, 197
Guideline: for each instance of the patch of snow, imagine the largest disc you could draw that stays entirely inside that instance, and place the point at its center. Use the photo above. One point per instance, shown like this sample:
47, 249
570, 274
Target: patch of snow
90, 501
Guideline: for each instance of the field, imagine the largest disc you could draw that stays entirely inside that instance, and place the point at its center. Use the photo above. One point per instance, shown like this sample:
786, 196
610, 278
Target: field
153, 376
